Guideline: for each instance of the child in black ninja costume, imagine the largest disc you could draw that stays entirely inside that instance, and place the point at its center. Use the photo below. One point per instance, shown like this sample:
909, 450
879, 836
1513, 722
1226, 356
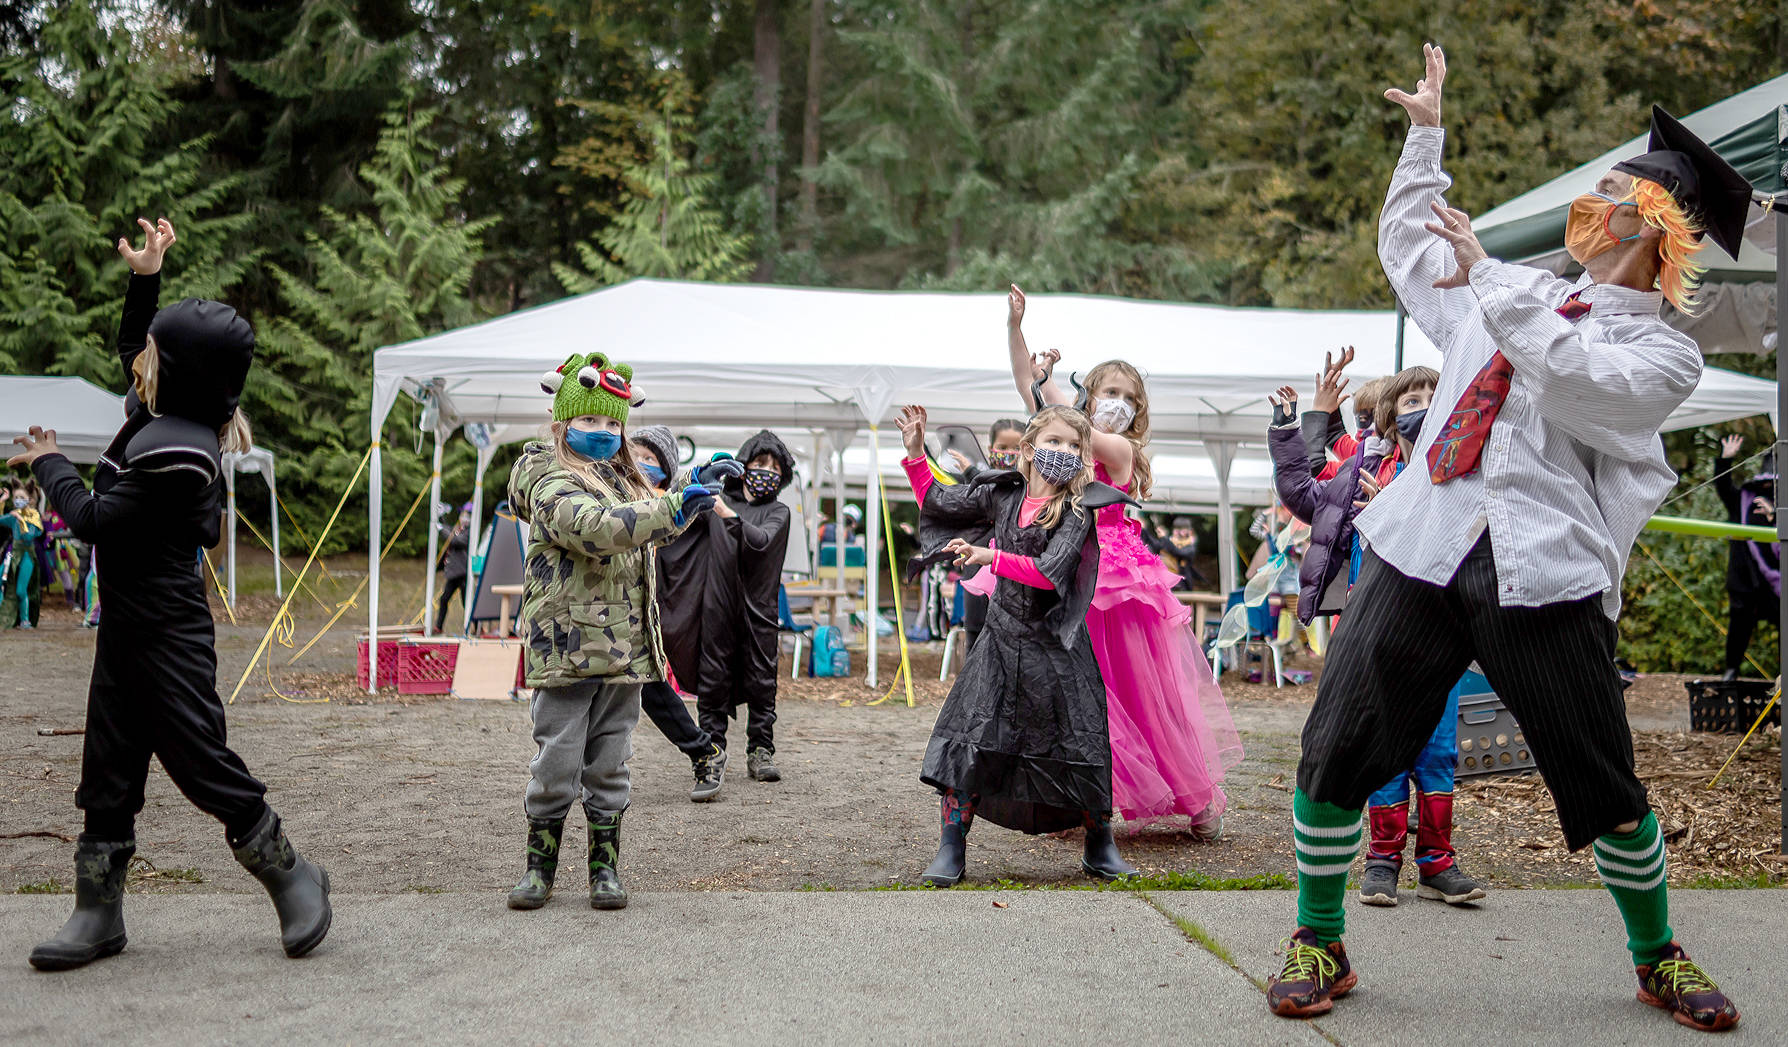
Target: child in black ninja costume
721, 580
156, 500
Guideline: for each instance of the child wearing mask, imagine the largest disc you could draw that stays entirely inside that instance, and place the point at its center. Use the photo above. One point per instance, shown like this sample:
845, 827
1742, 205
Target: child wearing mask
1022, 739
23, 580
455, 564
655, 451
589, 615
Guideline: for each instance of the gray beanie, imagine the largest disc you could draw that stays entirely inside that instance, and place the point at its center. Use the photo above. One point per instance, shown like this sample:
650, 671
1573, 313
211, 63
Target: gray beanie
663, 444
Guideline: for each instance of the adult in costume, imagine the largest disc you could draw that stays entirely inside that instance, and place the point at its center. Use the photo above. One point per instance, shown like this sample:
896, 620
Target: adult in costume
156, 501
1506, 540
1753, 569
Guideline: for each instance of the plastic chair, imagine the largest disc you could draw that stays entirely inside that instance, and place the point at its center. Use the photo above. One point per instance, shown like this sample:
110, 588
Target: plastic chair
1263, 631
785, 622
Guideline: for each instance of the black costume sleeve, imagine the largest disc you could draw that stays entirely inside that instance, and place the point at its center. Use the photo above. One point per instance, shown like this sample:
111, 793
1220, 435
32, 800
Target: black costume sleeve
963, 511
1728, 490
135, 498
762, 537
140, 301
1320, 431
1156, 543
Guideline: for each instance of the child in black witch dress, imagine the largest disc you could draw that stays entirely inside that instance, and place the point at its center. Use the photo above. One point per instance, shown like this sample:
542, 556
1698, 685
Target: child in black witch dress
1022, 739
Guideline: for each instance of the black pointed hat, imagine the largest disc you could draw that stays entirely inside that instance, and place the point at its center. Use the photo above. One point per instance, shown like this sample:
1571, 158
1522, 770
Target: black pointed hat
1700, 180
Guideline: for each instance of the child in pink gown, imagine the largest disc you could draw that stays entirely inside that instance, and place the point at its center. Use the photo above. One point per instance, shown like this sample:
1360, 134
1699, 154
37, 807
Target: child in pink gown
1172, 738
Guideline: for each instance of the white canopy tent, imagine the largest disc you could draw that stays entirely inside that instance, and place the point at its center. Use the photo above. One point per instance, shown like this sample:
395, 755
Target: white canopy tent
837, 362
86, 418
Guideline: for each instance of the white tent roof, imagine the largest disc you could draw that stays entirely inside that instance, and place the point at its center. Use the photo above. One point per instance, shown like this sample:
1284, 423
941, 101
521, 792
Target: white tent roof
739, 355
84, 416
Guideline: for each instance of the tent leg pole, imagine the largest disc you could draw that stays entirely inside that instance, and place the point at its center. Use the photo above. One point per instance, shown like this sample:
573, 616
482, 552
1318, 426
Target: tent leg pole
279, 584
472, 542
872, 540
1401, 317
374, 488
838, 526
813, 501
434, 538
1222, 456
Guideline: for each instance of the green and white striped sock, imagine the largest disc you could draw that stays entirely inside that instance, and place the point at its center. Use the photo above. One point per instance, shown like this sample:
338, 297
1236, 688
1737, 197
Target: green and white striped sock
1632, 868
1327, 838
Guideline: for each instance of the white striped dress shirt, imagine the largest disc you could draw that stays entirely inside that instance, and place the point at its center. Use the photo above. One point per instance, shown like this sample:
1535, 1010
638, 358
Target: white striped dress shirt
1573, 466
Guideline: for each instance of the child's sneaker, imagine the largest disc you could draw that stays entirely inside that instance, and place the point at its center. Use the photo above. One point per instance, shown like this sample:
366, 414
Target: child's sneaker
1379, 885
1676, 984
1450, 885
1313, 976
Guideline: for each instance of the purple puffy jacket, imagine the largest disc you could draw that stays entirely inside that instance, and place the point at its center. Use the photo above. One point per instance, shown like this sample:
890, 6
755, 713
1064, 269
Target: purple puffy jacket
1327, 506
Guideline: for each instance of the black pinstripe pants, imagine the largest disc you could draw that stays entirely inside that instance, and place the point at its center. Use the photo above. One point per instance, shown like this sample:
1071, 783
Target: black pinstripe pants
1403, 644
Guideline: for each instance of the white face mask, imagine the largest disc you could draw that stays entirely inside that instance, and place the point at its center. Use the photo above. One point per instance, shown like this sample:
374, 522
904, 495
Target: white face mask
1113, 416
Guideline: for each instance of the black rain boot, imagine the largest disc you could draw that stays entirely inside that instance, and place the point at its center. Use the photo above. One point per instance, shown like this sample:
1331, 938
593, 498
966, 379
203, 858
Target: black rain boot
1102, 860
946, 870
299, 889
536, 884
95, 929
606, 891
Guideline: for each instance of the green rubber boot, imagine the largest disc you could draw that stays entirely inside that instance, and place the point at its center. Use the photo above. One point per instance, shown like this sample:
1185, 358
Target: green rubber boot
536, 884
606, 891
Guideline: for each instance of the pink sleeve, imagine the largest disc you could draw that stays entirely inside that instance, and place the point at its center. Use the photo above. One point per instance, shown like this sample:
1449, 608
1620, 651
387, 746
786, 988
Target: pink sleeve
1021, 569
918, 473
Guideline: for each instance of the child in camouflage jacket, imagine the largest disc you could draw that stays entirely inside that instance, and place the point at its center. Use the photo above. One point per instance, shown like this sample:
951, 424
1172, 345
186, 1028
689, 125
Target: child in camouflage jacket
589, 615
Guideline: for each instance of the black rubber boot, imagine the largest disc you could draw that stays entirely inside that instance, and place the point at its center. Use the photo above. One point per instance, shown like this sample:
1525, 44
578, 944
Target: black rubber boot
96, 928
946, 870
536, 884
1101, 859
606, 891
299, 889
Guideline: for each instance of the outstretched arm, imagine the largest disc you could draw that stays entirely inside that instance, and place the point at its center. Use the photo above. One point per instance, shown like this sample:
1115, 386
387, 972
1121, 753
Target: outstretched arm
1028, 369
144, 292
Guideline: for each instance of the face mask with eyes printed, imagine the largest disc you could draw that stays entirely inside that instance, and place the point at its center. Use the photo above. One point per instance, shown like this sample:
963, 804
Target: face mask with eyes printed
1113, 416
1002, 459
1057, 467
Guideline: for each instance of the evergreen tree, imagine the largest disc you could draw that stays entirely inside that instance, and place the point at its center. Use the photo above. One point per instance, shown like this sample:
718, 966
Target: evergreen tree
88, 152
668, 225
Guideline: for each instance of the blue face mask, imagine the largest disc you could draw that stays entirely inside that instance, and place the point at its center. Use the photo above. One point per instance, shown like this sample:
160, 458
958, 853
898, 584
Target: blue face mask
653, 474
598, 447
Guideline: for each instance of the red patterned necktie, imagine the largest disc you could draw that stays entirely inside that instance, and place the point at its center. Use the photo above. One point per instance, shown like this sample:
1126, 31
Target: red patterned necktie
1460, 445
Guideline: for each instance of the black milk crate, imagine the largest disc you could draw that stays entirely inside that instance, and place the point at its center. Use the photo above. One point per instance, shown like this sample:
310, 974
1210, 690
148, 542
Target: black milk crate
1490, 741
1730, 706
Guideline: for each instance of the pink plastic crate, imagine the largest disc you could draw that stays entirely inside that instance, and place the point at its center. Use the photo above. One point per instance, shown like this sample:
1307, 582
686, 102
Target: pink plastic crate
426, 666
387, 663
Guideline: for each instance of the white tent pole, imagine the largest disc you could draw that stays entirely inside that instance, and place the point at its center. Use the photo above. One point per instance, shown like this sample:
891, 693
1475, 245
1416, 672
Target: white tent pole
838, 522
375, 485
472, 543
279, 585
1222, 457
872, 544
434, 538
230, 516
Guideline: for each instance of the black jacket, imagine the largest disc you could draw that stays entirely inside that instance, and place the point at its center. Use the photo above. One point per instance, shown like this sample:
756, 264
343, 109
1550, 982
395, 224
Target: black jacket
1743, 576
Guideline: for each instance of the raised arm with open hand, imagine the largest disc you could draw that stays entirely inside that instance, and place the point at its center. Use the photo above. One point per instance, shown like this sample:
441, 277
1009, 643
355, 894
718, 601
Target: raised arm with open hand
157, 239
1423, 107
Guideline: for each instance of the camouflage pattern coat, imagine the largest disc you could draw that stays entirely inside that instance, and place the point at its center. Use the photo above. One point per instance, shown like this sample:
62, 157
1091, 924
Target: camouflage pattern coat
589, 600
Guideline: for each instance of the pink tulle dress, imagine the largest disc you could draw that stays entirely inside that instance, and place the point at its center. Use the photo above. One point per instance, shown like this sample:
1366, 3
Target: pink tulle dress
1172, 738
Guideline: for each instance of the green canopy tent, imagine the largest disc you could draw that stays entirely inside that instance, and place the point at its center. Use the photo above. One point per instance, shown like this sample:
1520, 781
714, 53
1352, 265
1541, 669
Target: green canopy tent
1740, 295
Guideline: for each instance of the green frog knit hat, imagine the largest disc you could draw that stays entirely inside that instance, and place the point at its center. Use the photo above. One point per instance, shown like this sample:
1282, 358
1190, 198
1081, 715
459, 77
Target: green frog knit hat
591, 384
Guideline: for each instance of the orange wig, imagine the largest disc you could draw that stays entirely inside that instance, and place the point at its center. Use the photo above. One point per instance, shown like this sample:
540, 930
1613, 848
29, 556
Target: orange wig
1679, 277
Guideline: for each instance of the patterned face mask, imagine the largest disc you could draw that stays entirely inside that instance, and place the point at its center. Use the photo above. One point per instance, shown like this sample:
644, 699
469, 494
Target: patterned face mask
1057, 467
1002, 459
761, 484
1113, 416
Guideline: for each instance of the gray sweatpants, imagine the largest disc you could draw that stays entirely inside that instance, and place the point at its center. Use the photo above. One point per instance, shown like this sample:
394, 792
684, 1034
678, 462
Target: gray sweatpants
584, 732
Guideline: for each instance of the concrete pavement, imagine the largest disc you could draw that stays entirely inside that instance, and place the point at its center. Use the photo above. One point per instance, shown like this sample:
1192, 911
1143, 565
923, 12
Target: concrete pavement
1530, 967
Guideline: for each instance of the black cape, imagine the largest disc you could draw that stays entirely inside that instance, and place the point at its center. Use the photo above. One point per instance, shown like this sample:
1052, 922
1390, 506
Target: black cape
1024, 727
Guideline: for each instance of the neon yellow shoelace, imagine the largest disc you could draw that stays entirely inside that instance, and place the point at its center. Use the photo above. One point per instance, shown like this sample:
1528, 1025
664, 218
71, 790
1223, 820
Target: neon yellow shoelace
1307, 963
1684, 977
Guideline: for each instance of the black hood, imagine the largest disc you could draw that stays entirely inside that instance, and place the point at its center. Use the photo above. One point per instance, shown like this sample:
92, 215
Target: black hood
767, 442
205, 352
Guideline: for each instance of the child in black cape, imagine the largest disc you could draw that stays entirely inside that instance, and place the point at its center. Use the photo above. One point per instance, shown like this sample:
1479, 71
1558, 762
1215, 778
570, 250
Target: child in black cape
1022, 739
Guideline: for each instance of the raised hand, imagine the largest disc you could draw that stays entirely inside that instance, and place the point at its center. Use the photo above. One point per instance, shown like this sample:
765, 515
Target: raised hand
1368, 490
37, 442
1285, 406
912, 429
1454, 226
1330, 386
1423, 107
1043, 365
1730, 445
157, 239
961, 460
1014, 307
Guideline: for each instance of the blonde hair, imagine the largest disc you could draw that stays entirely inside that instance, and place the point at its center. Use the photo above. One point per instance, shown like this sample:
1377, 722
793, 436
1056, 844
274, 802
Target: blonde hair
622, 468
235, 436
1068, 494
1365, 398
1679, 277
1142, 477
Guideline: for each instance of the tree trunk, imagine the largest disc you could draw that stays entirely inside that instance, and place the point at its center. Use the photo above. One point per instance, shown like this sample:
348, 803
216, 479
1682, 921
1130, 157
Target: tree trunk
768, 66
810, 128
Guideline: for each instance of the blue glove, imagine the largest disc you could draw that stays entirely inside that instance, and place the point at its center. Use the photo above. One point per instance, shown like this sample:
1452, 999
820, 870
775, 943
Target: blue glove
721, 468
697, 500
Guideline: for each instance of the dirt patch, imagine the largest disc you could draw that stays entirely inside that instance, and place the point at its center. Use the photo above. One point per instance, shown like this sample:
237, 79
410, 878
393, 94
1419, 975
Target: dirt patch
423, 794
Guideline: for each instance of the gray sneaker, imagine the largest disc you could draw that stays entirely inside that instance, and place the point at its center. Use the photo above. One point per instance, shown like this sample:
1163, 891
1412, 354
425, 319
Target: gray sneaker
1450, 885
710, 774
1379, 885
762, 768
